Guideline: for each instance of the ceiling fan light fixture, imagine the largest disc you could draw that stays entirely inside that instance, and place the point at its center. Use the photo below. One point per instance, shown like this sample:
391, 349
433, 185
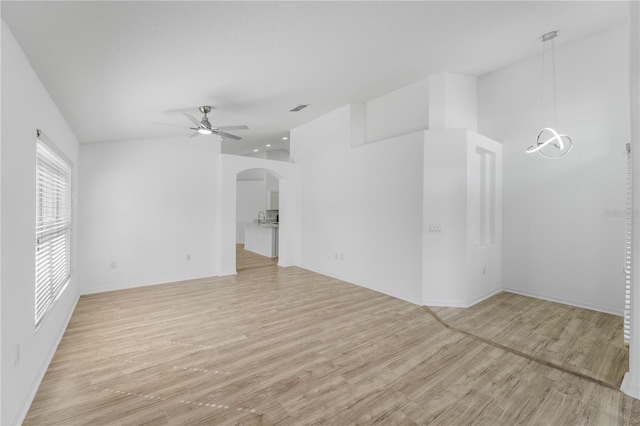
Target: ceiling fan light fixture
204, 127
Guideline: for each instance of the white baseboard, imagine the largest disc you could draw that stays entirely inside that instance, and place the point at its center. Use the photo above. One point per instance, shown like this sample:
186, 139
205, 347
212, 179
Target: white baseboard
397, 295
444, 303
589, 306
21, 412
460, 303
127, 286
629, 388
104, 289
484, 296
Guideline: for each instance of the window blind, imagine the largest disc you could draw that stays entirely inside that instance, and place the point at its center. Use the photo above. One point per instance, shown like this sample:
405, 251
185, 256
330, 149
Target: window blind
627, 249
53, 226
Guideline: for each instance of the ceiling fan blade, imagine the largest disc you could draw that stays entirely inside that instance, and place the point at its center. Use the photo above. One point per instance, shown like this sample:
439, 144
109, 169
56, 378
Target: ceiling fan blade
194, 134
174, 125
193, 119
239, 127
227, 135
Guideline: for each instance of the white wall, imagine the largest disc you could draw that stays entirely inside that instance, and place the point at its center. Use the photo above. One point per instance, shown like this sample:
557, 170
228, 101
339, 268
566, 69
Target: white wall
453, 101
251, 174
360, 208
484, 240
563, 239
251, 198
146, 205
278, 155
402, 111
445, 205
26, 106
272, 184
441, 101
458, 269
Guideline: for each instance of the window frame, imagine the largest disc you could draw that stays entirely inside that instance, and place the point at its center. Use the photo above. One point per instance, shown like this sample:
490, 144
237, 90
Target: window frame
53, 226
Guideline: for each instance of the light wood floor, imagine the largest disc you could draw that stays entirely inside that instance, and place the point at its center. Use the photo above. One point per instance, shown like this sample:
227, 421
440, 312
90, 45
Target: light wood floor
579, 340
248, 260
289, 347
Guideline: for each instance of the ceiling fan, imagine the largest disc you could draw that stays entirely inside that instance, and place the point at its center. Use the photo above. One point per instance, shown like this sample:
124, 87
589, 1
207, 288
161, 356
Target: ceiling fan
204, 127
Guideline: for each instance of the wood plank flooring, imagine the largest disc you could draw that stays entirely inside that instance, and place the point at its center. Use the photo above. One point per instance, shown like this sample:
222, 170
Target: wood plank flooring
248, 260
580, 340
285, 346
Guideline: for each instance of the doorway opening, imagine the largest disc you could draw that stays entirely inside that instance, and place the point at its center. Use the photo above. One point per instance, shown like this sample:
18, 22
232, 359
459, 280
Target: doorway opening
257, 219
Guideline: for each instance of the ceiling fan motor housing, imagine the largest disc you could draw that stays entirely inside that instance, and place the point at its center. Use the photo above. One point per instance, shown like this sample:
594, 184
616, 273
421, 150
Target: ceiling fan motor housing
205, 120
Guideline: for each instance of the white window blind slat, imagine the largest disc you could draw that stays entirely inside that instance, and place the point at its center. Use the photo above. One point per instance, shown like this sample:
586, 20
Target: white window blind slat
627, 251
53, 226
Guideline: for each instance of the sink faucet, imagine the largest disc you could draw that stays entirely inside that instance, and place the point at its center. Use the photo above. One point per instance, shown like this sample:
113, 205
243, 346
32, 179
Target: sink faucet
261, 217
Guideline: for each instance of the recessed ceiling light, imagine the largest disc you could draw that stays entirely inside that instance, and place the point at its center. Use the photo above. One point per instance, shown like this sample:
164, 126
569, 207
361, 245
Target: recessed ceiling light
285, 138
255, 150
268, 145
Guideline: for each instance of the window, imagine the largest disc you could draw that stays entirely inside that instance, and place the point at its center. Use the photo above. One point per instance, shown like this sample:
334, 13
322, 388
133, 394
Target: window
628, 249
486, 210
53, 225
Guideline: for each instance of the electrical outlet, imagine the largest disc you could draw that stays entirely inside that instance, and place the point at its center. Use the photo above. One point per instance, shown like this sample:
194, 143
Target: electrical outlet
341, 256
113, 265
188, 257
17, 360
484, 271
435, 228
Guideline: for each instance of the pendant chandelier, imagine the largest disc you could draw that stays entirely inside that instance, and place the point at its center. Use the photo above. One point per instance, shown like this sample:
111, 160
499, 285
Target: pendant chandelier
550, 143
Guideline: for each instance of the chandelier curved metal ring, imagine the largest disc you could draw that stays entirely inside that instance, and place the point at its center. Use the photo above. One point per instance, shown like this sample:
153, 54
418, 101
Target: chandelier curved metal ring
557, 140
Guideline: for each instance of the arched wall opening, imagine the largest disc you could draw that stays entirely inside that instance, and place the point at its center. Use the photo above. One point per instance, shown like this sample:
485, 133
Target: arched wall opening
230, 167
257, 218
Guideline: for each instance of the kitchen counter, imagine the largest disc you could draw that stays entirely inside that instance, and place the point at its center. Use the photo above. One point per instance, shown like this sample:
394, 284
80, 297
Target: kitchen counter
262, 238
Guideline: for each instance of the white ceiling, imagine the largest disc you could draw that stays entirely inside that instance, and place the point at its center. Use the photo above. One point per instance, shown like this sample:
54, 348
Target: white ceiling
114, 68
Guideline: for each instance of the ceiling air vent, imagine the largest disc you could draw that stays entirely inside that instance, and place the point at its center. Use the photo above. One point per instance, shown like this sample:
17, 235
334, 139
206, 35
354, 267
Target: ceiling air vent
298, 108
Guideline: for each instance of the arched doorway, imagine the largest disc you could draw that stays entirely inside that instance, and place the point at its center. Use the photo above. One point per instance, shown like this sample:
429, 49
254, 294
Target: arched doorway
257, 219
286, 174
